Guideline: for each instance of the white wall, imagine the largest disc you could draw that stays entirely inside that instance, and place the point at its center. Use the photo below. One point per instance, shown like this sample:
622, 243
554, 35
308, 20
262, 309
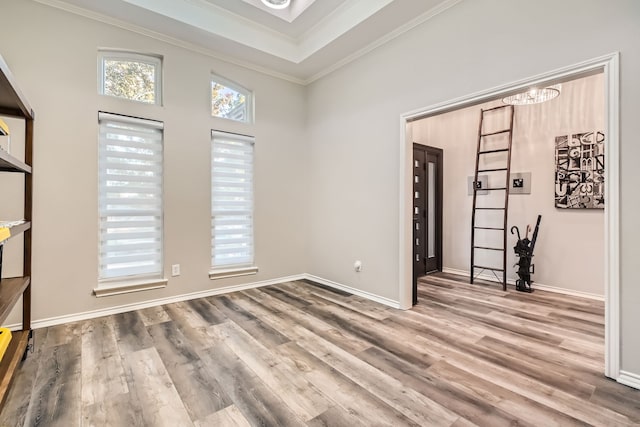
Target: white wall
53, 55
569, 253
474, 46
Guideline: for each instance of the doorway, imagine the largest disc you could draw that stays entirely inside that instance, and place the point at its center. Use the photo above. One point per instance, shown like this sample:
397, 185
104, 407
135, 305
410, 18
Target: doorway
427, 212
609, 64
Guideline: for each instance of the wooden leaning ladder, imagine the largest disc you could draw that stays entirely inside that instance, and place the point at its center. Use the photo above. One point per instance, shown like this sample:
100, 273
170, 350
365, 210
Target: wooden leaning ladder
506, 152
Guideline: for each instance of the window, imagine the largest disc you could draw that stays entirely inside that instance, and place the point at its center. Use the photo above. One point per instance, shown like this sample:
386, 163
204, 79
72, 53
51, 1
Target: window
131, 76
230, 101
231, 201
130, 191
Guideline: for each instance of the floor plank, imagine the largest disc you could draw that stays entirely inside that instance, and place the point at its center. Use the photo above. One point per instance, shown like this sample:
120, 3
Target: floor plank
303, 354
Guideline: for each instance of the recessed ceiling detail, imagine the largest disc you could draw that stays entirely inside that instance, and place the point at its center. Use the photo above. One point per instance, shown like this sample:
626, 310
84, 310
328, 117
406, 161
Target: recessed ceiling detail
288, 10
300, 43
277, 4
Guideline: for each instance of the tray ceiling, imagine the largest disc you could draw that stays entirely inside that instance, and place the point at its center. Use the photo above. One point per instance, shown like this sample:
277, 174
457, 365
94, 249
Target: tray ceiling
301, 44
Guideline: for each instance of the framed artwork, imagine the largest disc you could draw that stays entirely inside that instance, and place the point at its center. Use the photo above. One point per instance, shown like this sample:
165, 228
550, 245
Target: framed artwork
580, 171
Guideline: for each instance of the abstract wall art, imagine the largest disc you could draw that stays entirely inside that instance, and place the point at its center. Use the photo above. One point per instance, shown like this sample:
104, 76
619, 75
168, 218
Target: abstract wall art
580, 171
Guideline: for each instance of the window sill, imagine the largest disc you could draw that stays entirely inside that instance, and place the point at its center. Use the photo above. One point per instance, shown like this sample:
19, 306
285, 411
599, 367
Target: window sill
232, 272
118, 288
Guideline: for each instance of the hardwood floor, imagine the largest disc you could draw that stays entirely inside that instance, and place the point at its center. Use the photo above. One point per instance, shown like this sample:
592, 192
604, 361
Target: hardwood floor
299, 354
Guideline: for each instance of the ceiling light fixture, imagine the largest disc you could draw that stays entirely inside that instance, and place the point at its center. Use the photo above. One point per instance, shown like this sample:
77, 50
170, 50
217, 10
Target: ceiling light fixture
277, 4
533, 96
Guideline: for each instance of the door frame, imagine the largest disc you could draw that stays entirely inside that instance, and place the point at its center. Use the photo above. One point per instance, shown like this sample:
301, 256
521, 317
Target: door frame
438, 153
610, 66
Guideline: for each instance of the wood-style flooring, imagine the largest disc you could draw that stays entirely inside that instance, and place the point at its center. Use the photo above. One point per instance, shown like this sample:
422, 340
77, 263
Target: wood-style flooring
299, 354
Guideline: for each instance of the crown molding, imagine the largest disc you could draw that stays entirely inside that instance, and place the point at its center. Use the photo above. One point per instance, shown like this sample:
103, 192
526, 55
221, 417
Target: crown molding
217, 20
85, 13
342, 10
420, 19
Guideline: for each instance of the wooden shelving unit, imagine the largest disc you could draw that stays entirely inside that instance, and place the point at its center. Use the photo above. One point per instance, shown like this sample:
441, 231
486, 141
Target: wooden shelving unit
14, 104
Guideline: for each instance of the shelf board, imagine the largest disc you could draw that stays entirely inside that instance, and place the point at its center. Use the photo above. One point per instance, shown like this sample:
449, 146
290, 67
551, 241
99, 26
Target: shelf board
8, 163
10, 290
16, 230
11, 361
12, 101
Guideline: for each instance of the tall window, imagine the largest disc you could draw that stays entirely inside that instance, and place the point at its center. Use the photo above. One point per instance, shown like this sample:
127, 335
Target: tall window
231, 201
130, 190
230, 101
131, 76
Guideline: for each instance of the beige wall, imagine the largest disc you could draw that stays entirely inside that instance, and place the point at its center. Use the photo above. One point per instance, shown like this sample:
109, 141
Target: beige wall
53, 55
474, 46
569, 253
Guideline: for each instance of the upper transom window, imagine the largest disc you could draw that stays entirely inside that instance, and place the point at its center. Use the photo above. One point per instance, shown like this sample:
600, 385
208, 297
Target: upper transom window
131, 76
230, 101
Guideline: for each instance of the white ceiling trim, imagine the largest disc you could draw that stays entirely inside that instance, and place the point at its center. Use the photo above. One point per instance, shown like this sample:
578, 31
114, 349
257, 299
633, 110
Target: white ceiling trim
59, 4
219, 21
385, 39
339, 22
62, 5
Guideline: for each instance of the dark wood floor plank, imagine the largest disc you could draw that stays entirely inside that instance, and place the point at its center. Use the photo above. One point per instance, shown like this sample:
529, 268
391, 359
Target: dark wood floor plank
526, 410
114, 411
352, 302
345, 393
57, 395
299, 395
151, 390
23, 385
473, 408
200, 391
257, 403
131, 332
229, 416
103, 374
209, 313
336, 416
230, 309
411, 404
282, 311
171, 345
190, 323
153, 315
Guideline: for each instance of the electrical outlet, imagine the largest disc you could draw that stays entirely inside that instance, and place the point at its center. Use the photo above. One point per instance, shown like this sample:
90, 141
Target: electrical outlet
175, 270
357, 266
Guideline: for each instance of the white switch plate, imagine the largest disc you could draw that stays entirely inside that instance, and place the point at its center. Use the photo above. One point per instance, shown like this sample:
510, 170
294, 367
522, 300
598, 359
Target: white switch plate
175, 270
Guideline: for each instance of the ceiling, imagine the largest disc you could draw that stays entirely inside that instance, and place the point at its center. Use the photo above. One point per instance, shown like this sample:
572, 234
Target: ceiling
303, 43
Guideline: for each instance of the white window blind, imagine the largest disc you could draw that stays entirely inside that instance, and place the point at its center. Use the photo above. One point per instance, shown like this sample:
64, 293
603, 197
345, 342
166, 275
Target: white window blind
130, 191
231, 200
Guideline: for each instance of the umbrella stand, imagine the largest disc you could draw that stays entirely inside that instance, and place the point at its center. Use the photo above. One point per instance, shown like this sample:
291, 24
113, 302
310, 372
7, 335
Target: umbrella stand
524, 252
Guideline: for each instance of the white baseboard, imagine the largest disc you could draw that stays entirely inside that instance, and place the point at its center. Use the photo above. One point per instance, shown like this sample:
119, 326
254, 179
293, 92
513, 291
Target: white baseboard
535, 285
629, 379
68, 318
354, 291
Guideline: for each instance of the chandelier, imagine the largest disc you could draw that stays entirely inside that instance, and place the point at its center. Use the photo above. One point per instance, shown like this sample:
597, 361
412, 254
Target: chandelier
533, 96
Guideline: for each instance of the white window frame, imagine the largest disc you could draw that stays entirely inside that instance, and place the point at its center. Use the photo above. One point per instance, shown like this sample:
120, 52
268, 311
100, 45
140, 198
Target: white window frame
125, 56
246, 264
248, 95
109, 284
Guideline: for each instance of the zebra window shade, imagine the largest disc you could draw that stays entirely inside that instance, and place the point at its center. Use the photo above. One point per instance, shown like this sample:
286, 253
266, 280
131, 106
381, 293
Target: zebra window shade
231, 200
130, 198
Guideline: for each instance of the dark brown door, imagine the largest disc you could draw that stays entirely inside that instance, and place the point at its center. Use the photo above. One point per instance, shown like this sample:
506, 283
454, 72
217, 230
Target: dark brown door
427, 212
